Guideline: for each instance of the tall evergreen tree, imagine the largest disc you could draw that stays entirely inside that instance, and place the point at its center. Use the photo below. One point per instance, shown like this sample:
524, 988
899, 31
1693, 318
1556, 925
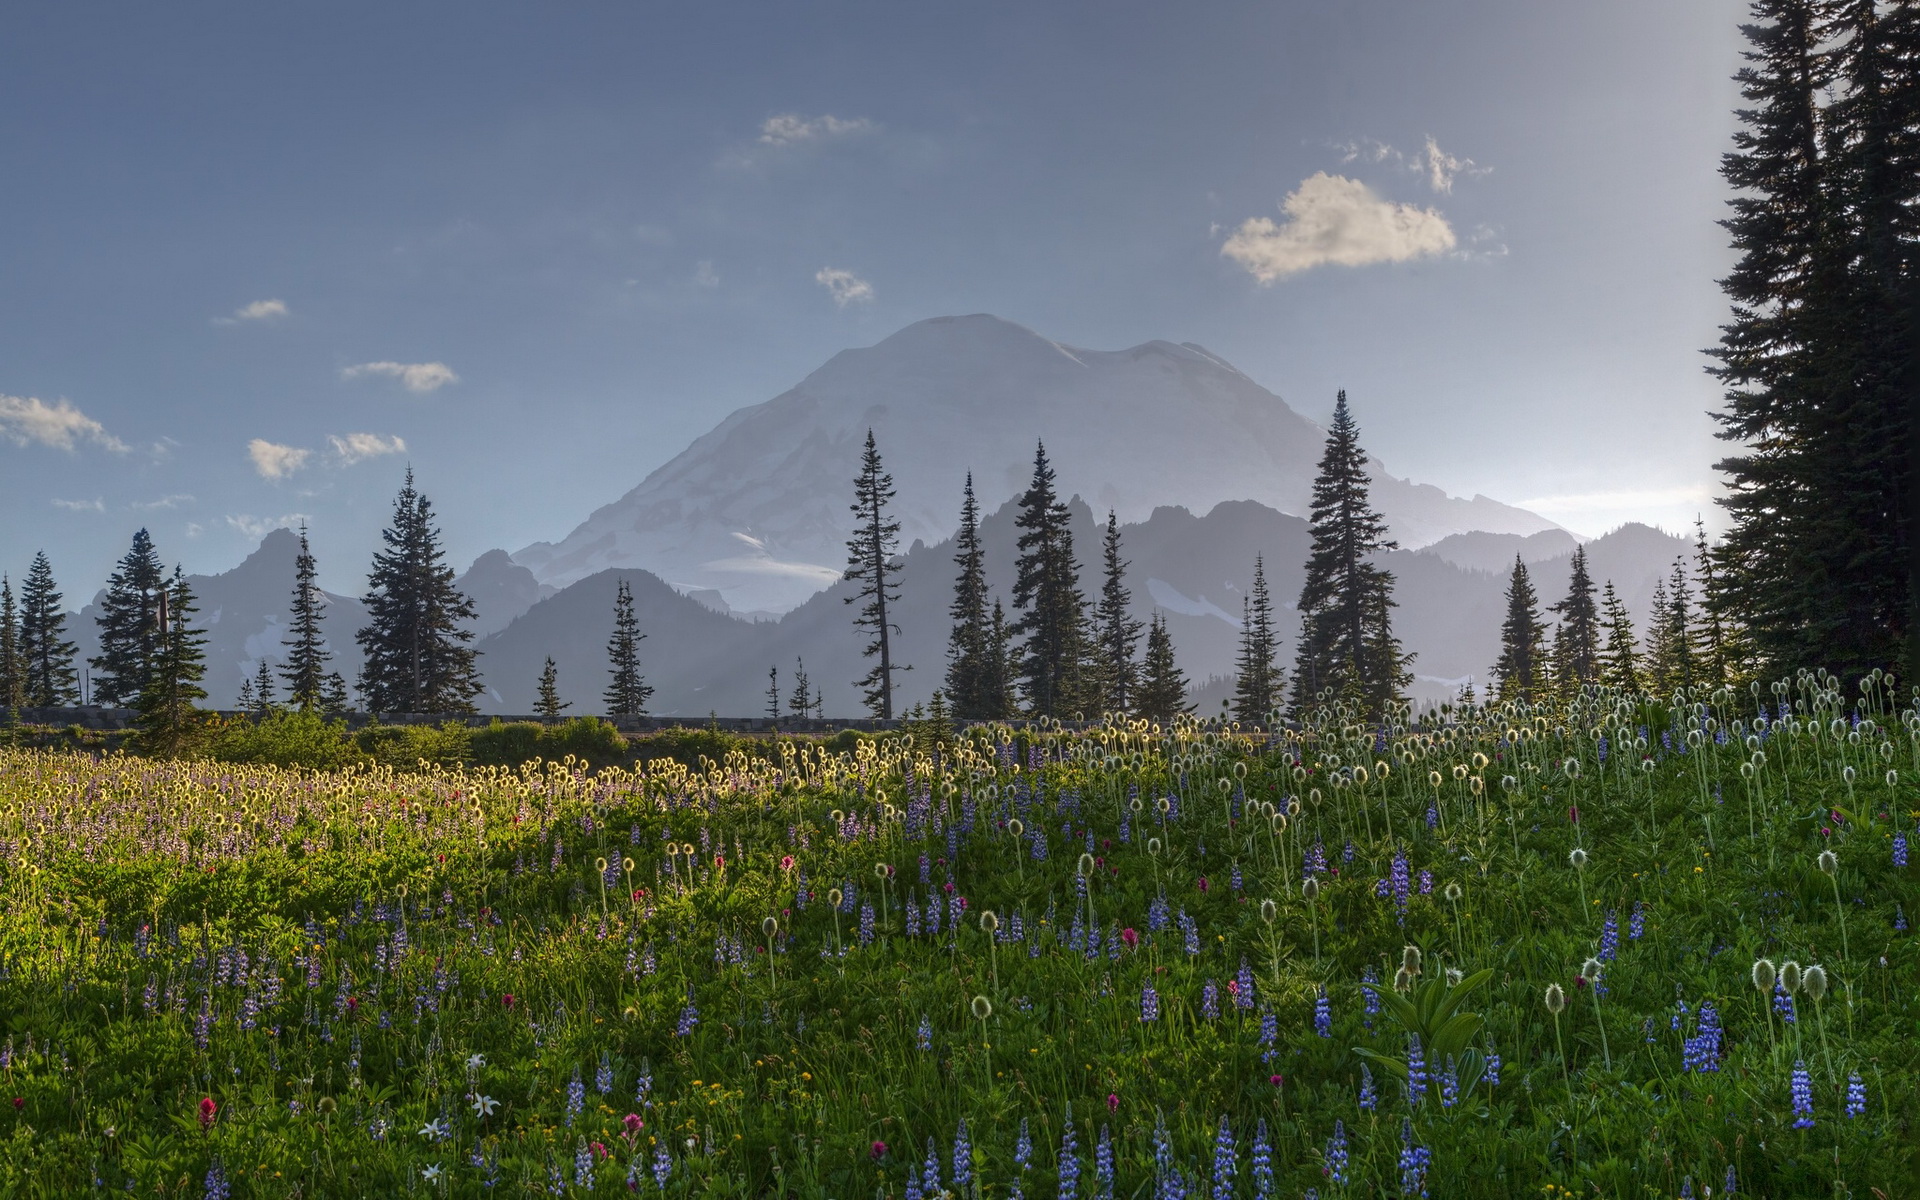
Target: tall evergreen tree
333, 697
1000, 679
1671, 659
1620, 661
305, 670
1520, 671
1047, 593
1576, 643
169, 719
549, 705
1717, 639
1257, 678
263, 687
417, 656
871, 564
50, 680
627, 694
1116, 630
1163, 686
13, 666
968, 670
1657, 666
1346, 604
773, 693
129, 635
801, 703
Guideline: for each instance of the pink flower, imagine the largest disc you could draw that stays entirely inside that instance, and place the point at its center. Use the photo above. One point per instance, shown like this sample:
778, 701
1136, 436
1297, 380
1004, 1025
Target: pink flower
599, 1151
506, 998
1276, 1080
877, 1151
786, 862
208, 1110
19, 1102
1128, 936
1113, 1102
1203, 883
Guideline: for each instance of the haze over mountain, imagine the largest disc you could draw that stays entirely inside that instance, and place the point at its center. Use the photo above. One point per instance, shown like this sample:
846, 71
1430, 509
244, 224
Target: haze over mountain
757, 508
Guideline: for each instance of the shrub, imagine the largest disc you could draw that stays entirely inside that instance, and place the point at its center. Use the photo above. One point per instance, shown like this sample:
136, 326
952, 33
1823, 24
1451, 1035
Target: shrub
509, 744
406, 746
286, 739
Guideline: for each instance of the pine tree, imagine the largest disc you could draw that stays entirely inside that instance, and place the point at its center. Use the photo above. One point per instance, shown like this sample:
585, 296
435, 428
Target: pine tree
1659, 654
1717, 638
773, 693
998, 700
1620, 662
628, 693
169, 720
1576, 643
417, 656
1257, 678
549, 706
1163, 686
129, 635
13, 667
333, 696
1117, 631
1047, 592
1519, 673
263, 688
968, 670
1346, 605
50, 681
1671, 660
871, 564
305, 671
244, 701
801, 702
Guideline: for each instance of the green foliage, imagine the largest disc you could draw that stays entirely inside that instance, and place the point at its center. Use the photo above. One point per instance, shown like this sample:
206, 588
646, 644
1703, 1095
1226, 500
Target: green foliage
509, 744
405, 747
1431, 1012
291, 738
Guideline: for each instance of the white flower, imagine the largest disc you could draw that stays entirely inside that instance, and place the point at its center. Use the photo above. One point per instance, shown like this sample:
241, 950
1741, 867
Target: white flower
475, 1062
483, 1106
432, 1172
436, 1130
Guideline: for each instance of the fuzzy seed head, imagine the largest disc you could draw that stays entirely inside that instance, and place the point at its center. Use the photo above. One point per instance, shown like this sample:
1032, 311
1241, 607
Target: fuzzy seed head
1410, 960
1828, 862
1790, 977
1556, 999
1578, 858
1763, 974
833, 897
1085, 868
1310, 889
769, 926
1268, 911
1591, 968
982, 1008
1452, 893
1153, 846
1813, 981
989, 920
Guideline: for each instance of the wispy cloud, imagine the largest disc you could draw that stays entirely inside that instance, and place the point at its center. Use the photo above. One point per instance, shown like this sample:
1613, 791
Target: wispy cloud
704, 275
259, 527
358, 447
1434, 165
1335, 221
844, 286
792, 129
259, 310
28, 419
419, 378
81, 505
174, 501
275, 461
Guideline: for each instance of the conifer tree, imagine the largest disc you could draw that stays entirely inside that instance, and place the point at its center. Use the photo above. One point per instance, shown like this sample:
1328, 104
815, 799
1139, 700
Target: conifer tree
1656, 671
1346, 604
129, 635
1716, 637
50, 680
871, 564
801, 702
1163, 686
333, 697
417, 656
773, 693
169, 719
1671, 661
1576, 643
628, 693
1047, 593
305, 670
244, 701
1620, 662
1519, 673
1116, 630
549, 705
13, 667
263, 687
968, 670
1257, 678
998, 699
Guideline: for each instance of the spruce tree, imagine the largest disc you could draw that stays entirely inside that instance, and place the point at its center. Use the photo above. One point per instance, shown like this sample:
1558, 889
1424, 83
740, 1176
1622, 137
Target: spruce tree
549, 706
417, 656
968, 670
1047, 592
169, 720
129, 635
263, 687
47, 655
333, 697
1116, 630
13, 667
627, 694
1257, 682
1657, 673
1163, 686
773, 693
1672, 662
1718, 639
305, 670
1519, 673
871, 564
244, 701
1346, 605
1576, 643
1620, 661
801, 702
998, 700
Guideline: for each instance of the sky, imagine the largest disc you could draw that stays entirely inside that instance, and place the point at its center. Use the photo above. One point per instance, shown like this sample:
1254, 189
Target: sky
257, 259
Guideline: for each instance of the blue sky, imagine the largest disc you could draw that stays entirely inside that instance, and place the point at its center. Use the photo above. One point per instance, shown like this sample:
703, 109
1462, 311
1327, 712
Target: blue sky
254, 259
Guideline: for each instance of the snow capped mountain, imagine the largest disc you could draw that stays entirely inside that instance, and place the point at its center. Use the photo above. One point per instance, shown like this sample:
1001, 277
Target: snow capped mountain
758, 508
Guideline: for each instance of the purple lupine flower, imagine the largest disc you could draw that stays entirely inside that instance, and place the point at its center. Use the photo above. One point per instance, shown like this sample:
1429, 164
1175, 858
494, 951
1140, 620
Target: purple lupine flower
582, 1165
1369, 1098
1637, 923
1856, 1096
1225, 1162
925, 1034
1416, 1070
1802, 1097
1899, 849
603, 1078
1426, 883
1401, 885
1609, 939
1701, 1052
1069, 1173
1269, 1035
1336, 1155
1190, 932
1433, 817
1149, 1004
1263, 1162
662, 1165
1210, 1001
1783, 1003
930, 1177
689, 1017
1450, 1084
1727, 1188
865, 935
1414, 1161
1157, 914
217, 1186
1243, 993
962, 1159
1899, 919
1103, 1166
1323, 1015
576, 1097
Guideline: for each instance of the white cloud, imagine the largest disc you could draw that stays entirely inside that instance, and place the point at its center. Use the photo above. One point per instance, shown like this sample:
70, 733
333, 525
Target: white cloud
1332, 220
357, 447
420, 378
1441, 168
25, 419
1434, 165
844, 286
704, 275
81, 505
259, 310
275, 461
173, 501
259, 527
789, 129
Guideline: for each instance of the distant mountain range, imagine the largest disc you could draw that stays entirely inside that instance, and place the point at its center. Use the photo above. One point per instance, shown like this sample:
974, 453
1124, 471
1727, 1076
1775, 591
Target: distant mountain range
758, 508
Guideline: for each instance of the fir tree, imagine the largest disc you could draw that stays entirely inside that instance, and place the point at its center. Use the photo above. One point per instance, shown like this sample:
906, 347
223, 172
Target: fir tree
1117, 632
417, 656
13, 667
1576, 643
333, 696
262, 688
305, 670
169, 720
998, 700
1346, 605
1672, 662
968, 669
1047, 592
1163, 686
244, 701
129, 635
773, 693
1717, 640
1620, 662
549, 706
1656, 672
871, 564
801, 702
628, 693
1519, 673
1257, 682
47, 655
